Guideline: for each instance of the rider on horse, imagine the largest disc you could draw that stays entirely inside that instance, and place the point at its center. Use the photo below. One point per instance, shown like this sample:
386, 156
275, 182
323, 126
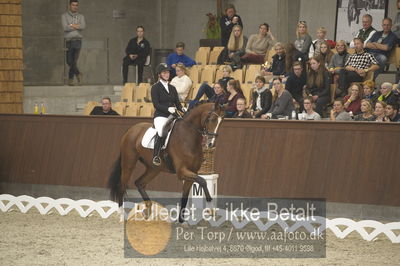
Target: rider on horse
166, 101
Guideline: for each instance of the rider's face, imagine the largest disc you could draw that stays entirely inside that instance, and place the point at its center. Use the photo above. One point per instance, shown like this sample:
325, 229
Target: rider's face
164, 75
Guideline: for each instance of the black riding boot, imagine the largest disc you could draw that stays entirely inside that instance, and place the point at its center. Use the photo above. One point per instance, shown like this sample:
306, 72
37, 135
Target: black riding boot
158, 143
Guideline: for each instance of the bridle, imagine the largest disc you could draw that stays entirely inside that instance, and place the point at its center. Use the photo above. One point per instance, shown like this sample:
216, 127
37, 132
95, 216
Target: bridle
205, 131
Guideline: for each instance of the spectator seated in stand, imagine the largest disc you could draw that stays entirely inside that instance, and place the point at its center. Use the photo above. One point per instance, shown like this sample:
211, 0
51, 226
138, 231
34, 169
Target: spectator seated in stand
283, 105
241, 109
234, 93
387, 94
367, 112
367, 30
352, 101
258, 46
206, 89
181, 82
104, 109
296, 82
392, 112
303, 41
315, 45
379, 112
309, 109
179, 57
235, 49
318, 84
277, 68
356, 67
338, 113
220, 95
369, 91
326, 54
262, 98
338, 60
136, 51
381, 45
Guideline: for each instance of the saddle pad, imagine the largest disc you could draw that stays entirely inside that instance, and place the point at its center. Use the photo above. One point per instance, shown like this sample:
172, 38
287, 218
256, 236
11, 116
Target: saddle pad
148, 138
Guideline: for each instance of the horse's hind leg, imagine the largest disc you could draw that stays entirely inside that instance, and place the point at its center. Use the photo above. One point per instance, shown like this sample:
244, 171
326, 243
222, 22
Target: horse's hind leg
142, 182
128, 163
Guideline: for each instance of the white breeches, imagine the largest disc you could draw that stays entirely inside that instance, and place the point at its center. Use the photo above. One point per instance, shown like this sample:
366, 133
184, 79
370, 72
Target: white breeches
159, 123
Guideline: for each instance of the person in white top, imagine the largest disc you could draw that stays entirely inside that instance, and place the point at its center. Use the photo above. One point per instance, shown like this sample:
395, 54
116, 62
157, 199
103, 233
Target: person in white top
181, 82
367, 30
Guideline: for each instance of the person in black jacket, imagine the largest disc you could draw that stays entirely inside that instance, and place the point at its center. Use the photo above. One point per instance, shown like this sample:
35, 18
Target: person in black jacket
227, 22
262, 98
165, 100
277, 67
208, 90
295, 83
136, 51
318, 84
104, 109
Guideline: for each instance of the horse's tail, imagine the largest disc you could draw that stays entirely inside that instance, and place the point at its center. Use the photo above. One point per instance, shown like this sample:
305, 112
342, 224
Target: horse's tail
114, 182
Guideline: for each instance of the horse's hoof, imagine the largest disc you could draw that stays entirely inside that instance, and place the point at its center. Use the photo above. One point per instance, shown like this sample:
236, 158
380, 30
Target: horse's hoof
208, 199
182, 223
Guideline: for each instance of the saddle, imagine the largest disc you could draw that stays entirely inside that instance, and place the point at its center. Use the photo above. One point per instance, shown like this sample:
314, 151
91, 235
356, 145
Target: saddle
148, 137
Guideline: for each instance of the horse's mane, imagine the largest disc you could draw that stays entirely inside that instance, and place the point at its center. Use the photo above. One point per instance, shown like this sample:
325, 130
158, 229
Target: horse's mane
198, 104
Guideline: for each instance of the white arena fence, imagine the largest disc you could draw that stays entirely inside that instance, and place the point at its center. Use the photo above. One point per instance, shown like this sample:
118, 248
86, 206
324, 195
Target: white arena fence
105, 209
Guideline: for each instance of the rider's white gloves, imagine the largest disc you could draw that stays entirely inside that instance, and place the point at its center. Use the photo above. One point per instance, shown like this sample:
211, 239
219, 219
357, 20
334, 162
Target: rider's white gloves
171, 110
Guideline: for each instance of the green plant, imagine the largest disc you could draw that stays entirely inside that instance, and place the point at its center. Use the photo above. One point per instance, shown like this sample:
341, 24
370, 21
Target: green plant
212, 29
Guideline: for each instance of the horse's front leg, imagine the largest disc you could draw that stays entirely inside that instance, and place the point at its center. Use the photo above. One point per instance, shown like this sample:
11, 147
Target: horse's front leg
187, 184
193, 177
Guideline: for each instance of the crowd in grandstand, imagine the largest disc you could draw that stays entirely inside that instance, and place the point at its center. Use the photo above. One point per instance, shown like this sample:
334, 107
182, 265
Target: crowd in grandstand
314, 79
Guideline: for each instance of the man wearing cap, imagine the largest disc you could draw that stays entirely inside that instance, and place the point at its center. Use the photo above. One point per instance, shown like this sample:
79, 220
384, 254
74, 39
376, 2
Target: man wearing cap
166, 101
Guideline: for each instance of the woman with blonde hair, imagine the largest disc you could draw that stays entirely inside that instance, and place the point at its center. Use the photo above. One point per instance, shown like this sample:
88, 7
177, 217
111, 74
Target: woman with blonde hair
379, 112
181, 82
235, 48
367, 112
227, 22
338, 60
277, 67
303, 41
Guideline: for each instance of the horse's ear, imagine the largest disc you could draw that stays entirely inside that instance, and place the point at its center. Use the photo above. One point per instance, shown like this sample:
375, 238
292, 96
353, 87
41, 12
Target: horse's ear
219, 107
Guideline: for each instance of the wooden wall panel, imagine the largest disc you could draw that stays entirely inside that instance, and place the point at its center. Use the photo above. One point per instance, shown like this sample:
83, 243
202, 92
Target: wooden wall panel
343, 162
11, 58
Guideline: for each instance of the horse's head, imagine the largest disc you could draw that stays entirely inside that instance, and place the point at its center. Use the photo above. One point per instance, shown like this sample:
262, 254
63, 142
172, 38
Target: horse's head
211, 118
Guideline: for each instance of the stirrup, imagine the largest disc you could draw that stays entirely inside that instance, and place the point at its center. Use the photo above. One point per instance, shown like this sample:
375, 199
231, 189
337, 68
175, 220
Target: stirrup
157, 160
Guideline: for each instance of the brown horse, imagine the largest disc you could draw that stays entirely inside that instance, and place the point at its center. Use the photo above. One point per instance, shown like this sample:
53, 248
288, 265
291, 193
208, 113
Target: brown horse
184, 149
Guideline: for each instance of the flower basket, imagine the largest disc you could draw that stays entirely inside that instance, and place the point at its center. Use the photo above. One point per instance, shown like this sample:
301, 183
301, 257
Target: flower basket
207, 166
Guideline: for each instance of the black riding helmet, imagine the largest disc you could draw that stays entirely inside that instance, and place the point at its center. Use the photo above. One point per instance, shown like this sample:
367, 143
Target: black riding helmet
161, 68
